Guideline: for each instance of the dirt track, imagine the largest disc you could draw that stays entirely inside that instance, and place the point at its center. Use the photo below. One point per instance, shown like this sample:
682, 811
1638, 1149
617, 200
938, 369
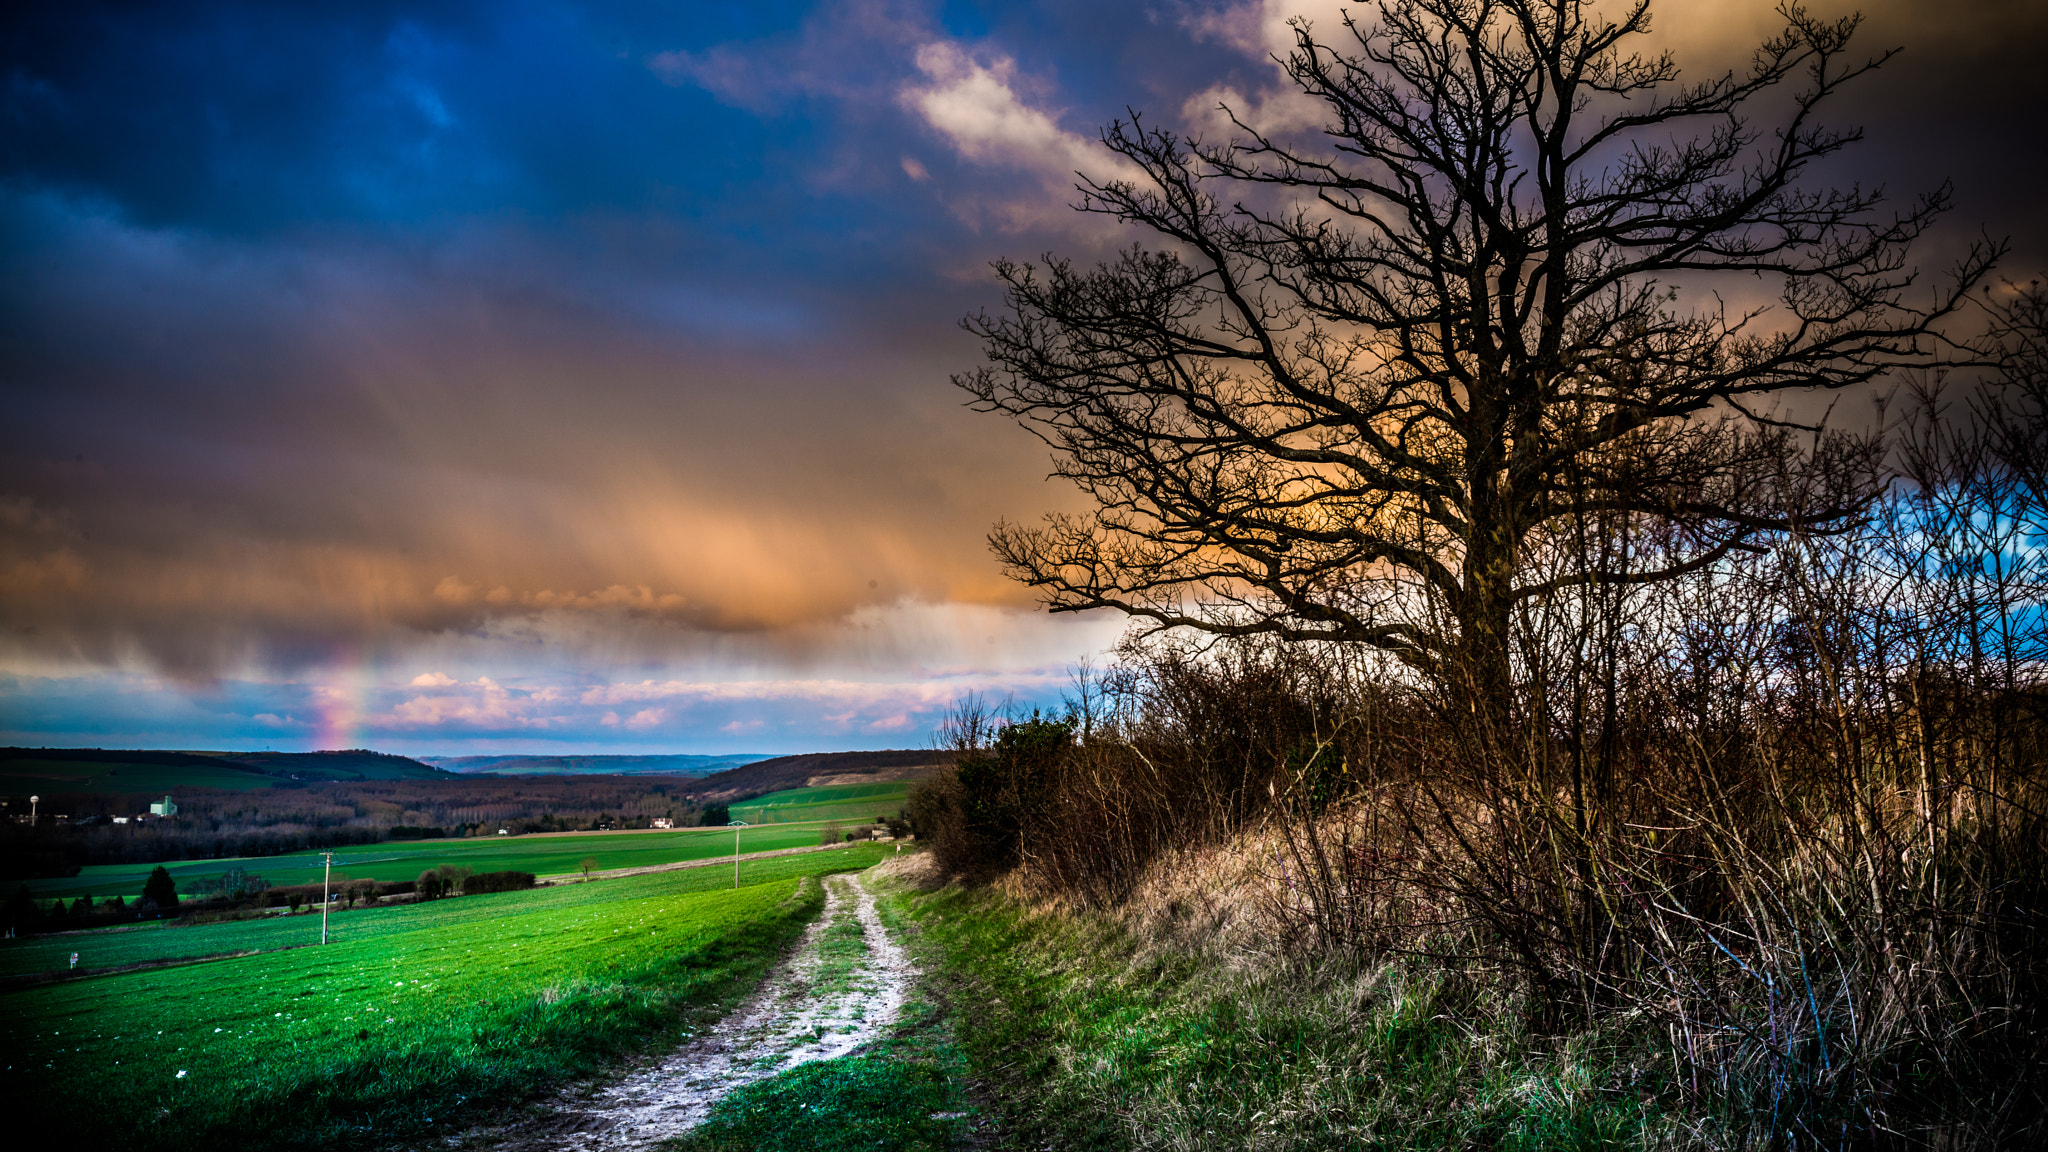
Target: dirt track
844, 985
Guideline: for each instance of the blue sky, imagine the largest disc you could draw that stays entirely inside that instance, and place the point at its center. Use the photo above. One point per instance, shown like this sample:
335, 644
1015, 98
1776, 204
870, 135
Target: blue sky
446, 377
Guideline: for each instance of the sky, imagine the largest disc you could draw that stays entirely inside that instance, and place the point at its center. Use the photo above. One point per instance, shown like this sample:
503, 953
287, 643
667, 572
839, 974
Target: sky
531, 376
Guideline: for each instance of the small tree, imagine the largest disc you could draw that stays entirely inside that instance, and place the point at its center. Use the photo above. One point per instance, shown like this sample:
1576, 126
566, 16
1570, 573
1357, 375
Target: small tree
588, 865
160, 889
23, 917
429, 884
455, 878
81, 906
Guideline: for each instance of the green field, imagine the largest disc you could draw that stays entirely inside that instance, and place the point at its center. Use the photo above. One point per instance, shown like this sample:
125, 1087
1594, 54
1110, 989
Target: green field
860, 802
26, 776
551, 855
416, 1016
169, 940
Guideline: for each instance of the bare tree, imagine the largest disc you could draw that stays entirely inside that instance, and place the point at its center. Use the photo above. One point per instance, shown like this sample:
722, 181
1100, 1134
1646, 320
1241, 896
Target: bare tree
1384, 371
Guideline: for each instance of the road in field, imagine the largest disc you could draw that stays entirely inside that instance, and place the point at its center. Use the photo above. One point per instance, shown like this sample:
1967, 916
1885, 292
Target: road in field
546, 855
843, 988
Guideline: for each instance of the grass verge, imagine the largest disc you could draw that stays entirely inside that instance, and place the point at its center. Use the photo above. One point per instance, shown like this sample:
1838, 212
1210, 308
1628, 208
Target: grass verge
1079, 1035
853, 1103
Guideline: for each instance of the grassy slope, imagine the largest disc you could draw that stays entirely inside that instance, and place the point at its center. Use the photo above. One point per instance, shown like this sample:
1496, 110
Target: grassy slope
110, 948
406, 859
829, 802
356, 764
27, 775
790, 772
384, 1036
1083, 1038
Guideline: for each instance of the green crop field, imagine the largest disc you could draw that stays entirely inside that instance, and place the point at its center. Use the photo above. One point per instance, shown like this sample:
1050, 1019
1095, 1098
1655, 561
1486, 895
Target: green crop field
27, 776
828, 802
552, 855
416, 1016
169, 940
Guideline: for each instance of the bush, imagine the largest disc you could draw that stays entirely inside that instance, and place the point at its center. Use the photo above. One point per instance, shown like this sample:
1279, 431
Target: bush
497, 882
999, 795
936, 818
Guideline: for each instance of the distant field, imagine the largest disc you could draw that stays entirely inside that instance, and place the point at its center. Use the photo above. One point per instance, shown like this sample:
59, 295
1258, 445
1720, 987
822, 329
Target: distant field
404, 860
831, 802
165, 940
416, 1016
27, 776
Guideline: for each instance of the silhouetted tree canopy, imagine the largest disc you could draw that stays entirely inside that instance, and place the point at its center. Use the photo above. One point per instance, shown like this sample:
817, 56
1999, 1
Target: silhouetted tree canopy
1363, 380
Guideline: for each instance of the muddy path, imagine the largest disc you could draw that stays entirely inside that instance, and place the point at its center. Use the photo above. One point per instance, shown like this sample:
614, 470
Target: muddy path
841, 989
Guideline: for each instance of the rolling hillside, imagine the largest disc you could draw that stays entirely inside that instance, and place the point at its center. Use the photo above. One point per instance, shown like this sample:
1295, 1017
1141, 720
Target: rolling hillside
592, 765
818, 769
110, 771
47, 771
353, 764
860, 803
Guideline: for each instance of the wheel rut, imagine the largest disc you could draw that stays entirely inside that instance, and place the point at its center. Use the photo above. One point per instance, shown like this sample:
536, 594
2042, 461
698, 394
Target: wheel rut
842, 988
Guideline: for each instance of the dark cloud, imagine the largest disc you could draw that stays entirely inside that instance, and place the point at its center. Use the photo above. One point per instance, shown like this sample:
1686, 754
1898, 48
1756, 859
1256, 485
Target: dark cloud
589, 345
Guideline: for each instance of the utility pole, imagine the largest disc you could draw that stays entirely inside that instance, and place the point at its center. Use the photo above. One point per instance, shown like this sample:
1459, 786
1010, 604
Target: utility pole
326, 874
736, 826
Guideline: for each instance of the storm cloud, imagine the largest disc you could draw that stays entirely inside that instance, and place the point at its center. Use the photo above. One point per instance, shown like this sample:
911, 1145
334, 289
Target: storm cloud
470, 376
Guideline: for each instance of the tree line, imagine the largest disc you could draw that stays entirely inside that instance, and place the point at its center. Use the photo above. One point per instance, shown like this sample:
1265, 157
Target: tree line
296, 817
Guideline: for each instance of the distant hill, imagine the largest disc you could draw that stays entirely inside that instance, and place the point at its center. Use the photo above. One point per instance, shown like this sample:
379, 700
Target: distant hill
592, 765
353, 764
111, 771
720, 779
819, 769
